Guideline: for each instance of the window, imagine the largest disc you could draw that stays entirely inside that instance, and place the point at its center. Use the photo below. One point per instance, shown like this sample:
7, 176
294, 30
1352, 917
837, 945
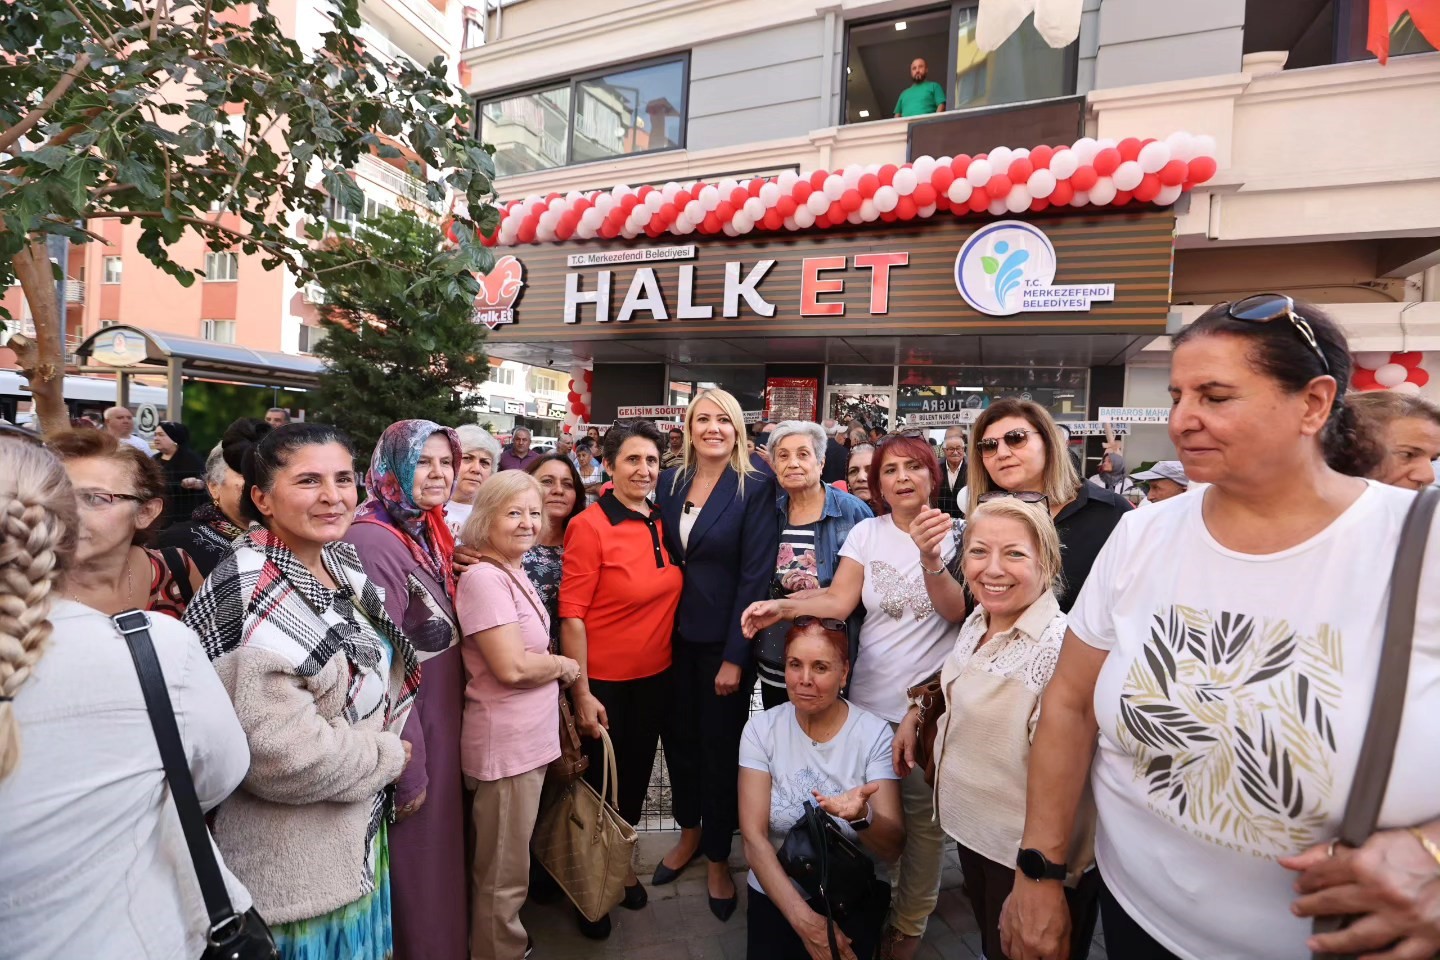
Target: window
544, 383
310, 336
108, 323
636, 109
880, 56
335, 210
218, 331
1325, 32
114, 266
221, 266
505, 376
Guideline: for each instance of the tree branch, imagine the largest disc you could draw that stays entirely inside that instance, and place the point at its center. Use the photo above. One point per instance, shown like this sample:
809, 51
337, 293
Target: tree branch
10, 137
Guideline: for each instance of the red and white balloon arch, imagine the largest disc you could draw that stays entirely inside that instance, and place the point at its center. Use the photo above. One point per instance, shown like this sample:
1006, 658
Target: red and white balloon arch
1005, 181
1401, 372
578, 400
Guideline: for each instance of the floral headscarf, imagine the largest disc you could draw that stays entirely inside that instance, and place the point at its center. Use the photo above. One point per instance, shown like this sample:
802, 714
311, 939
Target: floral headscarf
391, 479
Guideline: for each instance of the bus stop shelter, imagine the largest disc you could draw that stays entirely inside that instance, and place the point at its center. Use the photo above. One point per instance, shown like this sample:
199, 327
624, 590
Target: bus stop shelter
125, 352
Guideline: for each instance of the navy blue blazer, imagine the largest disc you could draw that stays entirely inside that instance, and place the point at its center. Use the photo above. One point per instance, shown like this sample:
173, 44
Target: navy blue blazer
730, 561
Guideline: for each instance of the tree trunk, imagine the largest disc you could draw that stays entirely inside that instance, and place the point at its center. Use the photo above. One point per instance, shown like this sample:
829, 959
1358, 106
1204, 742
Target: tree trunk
42, 358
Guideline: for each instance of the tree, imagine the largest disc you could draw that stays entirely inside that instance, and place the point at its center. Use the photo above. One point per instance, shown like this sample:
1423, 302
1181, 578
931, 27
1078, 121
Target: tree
394, 302
191, 119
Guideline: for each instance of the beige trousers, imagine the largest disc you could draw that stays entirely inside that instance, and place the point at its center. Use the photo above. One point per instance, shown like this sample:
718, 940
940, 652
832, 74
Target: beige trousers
915, 881
504, 813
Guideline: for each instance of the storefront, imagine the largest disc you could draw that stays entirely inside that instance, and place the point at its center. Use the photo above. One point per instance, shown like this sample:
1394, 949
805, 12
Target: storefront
918, 323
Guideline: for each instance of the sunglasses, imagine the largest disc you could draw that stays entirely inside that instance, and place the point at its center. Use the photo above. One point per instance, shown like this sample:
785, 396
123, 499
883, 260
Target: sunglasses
1265, 307
1024, 496
828, 623
1014, 439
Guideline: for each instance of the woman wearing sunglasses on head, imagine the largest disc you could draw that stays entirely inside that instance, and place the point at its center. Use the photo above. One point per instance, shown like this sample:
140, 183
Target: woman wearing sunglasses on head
1225, 651
898, 563
1016, 447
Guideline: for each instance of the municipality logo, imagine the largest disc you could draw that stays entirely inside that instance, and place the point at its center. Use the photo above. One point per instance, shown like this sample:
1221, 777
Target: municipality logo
1009, 267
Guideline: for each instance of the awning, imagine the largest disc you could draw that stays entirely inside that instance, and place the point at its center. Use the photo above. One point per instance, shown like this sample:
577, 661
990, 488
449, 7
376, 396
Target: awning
127, 349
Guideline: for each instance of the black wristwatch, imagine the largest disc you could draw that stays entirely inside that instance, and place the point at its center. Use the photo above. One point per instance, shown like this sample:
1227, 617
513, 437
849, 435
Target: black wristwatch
1037, 866
864, 822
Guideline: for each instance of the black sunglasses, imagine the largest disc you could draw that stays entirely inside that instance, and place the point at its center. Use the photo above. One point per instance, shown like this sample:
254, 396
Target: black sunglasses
829, 623
1024, 496
1014, 439
1264, 307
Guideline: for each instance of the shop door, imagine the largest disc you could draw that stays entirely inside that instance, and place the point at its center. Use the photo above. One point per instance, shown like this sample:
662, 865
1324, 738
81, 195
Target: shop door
874, 405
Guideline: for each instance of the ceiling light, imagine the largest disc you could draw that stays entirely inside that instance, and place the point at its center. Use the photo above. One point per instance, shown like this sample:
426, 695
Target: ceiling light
864, 114
970, 389
899, 24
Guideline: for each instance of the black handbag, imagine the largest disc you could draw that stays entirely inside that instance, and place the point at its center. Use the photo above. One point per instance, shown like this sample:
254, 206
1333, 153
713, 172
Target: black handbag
231, 935
829, 866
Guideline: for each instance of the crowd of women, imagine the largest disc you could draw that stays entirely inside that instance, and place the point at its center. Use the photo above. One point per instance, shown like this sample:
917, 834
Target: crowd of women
1148, 718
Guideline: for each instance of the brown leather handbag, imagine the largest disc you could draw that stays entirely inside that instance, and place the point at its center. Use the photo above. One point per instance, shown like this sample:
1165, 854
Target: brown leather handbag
572, 761
931, 700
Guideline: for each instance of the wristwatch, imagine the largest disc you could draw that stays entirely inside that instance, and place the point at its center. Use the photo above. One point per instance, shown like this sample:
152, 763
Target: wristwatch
864, 822
1037, 866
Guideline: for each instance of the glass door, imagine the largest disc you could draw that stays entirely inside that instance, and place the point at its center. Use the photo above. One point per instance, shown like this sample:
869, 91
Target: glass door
865, 403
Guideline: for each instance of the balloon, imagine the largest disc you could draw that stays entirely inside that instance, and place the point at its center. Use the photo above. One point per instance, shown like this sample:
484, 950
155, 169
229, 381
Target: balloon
1103, 193
1167, 196
1375, 359
1411, 359
942, 178
1084, 178
1390, 374
738, 196
906, 208
1039, 206
1205, 145
1041, 183
1085, 149
1409, 387
1000, 158
785, 206
867, 184
1122, 197
755, 208
959, 191
742, 222
1128, 175
1079, 198
868, 211
1064, 163
999, 186
1148, 189
960, 164
1173, 173
1129, 148
787, 180
1106, 161
887, 174
886, 199
709, 197
754, 185
1182, 146
804, 219
726, 211
834, 187
979, 173
1041, 156
1061, 194
1153, 156
927, 211
925, 195
905, 181
1202, 169
1363, 379
711, 223
802, 191
923, 167
818, 203
1419, 376
997, 208
1019, 199
850, 201
1020, 170
854, 217
979, 201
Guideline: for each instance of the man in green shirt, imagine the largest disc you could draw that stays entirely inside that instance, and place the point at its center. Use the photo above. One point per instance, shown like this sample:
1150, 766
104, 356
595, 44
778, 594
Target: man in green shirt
922, 96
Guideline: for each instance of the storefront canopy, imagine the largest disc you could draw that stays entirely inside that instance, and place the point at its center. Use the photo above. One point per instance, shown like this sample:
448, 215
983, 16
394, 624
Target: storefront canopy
140, 352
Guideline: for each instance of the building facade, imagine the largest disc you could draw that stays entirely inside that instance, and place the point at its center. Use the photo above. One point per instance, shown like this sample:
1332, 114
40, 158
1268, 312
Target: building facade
1326, 186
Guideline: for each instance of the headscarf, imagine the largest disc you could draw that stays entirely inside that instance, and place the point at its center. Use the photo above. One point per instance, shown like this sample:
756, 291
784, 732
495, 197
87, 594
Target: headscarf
1115, 479
391, 479
177, 432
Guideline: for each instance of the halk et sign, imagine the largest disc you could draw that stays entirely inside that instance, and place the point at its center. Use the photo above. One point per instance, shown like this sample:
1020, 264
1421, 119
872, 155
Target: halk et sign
1080, 274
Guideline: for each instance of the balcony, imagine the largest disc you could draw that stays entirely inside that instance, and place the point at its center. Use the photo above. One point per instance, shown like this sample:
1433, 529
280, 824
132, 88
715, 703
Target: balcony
74, 291
395, 181
413, 27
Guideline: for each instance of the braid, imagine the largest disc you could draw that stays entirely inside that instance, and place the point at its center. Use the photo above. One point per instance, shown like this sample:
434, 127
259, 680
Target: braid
37, 540
1349, 448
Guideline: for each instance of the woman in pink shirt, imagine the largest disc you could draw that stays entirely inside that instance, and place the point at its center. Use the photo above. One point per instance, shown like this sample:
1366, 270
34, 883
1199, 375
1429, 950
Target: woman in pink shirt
509, 733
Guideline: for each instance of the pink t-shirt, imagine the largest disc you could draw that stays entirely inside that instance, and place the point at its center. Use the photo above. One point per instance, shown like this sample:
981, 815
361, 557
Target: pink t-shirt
506, 730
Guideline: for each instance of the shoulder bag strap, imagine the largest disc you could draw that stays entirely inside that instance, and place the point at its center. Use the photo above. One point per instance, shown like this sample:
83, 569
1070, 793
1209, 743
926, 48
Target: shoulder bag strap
817, 839
179, 572
544, 617
1377, 750
135, 627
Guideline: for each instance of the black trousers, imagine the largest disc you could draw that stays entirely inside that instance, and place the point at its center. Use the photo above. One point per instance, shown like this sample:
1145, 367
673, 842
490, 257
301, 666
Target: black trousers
988, 883
772, 696
769, 936
702, 746
1123, 936
635, 709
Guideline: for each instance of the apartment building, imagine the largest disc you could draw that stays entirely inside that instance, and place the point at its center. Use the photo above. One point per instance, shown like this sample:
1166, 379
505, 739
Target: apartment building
1327, 184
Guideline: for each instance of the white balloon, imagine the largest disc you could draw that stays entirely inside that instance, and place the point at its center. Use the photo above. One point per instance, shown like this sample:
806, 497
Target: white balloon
817, 202
926, 211
1103, 192
1391, 374
1085, 149
1128, 175
694, 211
1372, 359
905, 181
1018, 199
854, 217
787, 180
834, 187
1168, 195
573, 196
1079, 199
727, 187
755, 207
886, 199
959, 191
770, 194
620, 190
729, 230
1182, 146
710, 197
851, 174
742, 222
548, 220
923, 167
1204, 146
979, 173
998, 208
1407, 387
791, 223
1153, 156
943, 162
544, 233
1041, 184
669, 190
804, 219
1001, 158
1064, 164
604, 203
654, 200
1020, 153
1105, 143
868, 210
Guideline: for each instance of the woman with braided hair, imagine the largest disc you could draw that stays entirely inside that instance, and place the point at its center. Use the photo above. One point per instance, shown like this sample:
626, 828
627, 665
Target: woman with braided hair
91, 850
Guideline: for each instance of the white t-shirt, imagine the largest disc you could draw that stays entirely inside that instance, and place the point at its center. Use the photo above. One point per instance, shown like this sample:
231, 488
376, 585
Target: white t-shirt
903, 640
138, 443
773, 743
1231, 710
456, 515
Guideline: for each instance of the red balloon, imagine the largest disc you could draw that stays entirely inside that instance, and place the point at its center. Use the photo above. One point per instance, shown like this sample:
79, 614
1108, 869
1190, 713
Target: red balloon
817, 179
1149, 188
552, 196
1122, 197
850, 201
526, 234
1040, 156
1202, 169
490, 239
573, 397
653, 229
711, 223
568, 222
869, 183
629, 202
1411, 359
1084, 179
888, 216
1020, 170
802, 191
979, 201
906, 208
887, 174
773, 220
942, 178
1129, 148
1038, 205
786, 206
924, 195
755, 184
609, 231
682, 199
942, 202
960, 164
1173, 173
725, 211
837, 213
1419, 376
1062, 193
1363, 379
1106, 161
999, 186
738, 196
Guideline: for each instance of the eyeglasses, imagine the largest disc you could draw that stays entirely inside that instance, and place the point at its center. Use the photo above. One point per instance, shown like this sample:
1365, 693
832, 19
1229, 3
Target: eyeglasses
1024, 496
835, 626
1014, 439
20, 433
1264, 307
95, 499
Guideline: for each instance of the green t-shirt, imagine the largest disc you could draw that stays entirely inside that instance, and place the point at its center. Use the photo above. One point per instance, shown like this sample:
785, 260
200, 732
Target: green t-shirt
919, 99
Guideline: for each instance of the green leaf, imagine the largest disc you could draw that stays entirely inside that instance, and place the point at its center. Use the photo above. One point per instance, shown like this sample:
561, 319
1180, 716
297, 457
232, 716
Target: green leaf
990, 264
52, 157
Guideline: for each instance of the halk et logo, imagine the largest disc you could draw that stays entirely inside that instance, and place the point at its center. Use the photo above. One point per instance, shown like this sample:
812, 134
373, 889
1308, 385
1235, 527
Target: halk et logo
1008, 267
495, 303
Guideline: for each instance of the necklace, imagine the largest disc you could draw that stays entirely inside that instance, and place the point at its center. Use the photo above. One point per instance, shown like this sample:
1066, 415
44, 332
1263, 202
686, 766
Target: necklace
129, 582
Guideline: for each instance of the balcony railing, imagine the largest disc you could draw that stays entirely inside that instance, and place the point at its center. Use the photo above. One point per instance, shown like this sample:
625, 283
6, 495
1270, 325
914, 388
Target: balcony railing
74, 291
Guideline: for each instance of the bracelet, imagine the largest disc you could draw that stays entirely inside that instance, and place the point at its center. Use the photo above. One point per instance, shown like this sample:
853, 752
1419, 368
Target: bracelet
933, 573
1431, 847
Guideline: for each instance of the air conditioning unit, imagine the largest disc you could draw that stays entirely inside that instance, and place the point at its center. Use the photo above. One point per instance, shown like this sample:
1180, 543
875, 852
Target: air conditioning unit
313, 293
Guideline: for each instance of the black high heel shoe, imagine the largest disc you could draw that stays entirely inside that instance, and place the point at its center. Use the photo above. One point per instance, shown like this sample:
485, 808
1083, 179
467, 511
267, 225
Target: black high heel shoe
665, 874
635, 897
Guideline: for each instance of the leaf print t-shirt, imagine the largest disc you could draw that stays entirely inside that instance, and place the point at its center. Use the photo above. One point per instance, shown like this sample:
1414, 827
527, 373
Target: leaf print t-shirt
903, 640
1231, 710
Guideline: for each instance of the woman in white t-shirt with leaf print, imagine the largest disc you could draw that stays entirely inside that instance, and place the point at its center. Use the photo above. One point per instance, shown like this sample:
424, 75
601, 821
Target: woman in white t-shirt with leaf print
1225, 650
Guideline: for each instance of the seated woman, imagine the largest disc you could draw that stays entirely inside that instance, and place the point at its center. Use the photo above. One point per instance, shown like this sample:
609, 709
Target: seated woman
816, 742
993, 681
